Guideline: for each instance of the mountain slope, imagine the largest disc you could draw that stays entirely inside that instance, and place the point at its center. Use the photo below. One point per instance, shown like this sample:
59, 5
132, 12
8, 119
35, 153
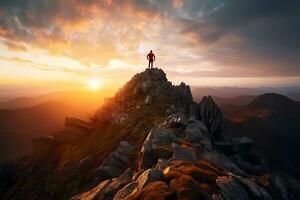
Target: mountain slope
236, 101
149, 141
19, 127
23, 119
273, 121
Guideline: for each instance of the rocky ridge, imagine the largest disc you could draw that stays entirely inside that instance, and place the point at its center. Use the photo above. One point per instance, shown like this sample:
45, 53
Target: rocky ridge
168, 147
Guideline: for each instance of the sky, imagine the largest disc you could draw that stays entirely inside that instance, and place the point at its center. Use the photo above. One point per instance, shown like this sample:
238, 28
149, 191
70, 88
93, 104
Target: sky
69, 44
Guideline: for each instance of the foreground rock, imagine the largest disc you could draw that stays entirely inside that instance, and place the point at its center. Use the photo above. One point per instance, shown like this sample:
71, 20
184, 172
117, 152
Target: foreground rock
194, 159
117, 161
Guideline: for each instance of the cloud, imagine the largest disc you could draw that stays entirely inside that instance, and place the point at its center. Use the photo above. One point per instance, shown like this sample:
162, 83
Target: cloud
268, 33
30, 64
244, 38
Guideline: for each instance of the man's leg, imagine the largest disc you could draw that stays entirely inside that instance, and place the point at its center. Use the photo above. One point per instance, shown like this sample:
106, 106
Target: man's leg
149, 64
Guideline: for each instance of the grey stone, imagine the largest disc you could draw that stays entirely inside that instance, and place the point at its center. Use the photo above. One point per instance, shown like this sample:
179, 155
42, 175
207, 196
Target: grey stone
177, 120
211, 115
154, 146
149, 176
181, 153
117, 161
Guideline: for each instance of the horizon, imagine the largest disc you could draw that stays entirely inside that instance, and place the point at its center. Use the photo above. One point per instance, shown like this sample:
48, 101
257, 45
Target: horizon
91, 45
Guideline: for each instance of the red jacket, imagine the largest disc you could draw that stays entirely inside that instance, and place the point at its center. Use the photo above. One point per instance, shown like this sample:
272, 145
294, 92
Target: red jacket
151, 57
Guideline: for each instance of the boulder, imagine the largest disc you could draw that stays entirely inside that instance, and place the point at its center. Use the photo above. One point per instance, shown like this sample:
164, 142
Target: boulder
149, 176
125, 191
106, 190
177, 120
181, 153
117, 161
196, 132
188, 188
156, 146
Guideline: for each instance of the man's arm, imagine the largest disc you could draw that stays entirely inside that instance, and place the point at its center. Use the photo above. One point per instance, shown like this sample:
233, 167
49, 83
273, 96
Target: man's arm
147, 57
153, 57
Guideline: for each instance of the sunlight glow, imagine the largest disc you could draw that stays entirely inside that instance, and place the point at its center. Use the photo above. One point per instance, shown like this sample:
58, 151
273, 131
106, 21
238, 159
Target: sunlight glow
94, 84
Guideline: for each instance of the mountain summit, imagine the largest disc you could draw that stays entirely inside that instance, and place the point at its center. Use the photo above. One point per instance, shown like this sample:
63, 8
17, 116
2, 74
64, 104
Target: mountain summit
149, 141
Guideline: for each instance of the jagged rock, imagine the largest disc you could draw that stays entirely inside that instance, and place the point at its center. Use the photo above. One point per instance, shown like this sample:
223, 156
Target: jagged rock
177, 120
149, 99
162, 164
106, 190
184, 96
155, 147
196, 132
235, 188
193, 110
109, 192
85, 163
188, 188
211, 115
181, 153
126, 191
117, 161
157, 190
149, 176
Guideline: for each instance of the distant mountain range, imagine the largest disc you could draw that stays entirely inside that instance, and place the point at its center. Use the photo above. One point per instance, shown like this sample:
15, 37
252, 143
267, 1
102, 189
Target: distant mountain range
273, 120
23, 119
239, 95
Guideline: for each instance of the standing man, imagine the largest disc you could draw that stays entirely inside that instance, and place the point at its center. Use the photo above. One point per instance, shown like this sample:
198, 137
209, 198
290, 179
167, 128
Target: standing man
151, 58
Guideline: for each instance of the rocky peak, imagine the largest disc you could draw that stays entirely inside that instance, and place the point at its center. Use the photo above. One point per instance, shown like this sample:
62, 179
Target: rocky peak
212, 116
155, 143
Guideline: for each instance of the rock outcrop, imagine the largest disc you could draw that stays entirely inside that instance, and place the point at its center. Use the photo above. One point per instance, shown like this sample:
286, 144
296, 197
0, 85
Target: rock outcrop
156, 143
194, 159
117, 161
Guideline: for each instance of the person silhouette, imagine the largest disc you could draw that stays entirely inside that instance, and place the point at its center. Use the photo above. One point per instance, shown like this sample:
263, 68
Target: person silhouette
151, 58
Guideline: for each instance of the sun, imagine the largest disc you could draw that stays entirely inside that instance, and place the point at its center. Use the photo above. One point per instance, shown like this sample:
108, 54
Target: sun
94, 84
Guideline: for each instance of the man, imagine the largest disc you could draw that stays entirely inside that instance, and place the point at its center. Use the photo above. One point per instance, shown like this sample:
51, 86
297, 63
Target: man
151, 58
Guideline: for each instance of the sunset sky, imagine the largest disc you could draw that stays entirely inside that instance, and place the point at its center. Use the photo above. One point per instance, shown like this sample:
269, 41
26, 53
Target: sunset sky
69, 44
